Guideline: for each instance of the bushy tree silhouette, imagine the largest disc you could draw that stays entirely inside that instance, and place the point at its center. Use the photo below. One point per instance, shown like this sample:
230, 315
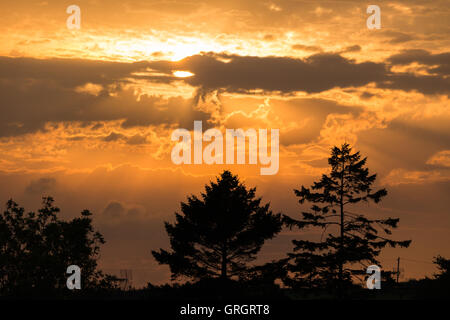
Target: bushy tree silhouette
356, 240
217, 235
443, 266
36, 249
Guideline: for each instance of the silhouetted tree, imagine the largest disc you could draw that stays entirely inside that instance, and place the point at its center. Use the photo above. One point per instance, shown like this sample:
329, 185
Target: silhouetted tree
443, 267
36, 249
356, 239
217, 235
426, 288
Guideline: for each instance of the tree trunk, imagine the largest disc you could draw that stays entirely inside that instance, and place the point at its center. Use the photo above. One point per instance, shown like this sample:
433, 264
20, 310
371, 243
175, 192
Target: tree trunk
341, 249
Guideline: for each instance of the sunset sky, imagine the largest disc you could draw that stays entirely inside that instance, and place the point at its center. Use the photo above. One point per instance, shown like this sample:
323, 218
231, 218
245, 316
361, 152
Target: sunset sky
87, 114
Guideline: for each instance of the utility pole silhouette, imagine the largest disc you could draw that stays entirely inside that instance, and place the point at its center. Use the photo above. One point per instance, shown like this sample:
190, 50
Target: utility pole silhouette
126, 278
398, 268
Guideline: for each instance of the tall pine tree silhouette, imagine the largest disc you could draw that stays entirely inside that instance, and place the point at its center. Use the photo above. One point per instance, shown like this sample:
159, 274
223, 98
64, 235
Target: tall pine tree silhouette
353, 238
219, 234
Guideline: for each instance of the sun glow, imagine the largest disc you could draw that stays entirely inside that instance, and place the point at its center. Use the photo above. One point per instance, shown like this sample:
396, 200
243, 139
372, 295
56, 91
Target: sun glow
182, 74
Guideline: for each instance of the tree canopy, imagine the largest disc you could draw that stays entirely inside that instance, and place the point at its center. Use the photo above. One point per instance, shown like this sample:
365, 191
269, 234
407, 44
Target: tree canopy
37, 248
218, 234
353, 239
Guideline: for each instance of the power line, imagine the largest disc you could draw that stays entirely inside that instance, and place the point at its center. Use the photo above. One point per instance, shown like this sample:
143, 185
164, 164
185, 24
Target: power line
421, 261
413, 260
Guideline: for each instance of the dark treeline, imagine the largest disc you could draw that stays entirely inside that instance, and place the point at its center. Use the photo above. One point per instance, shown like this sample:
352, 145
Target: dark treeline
215, 240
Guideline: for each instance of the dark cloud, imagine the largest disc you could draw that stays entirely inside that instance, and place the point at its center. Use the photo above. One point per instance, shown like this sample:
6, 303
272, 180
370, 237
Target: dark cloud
68, 73
306, 48
366, 95
117, 211
113, 136
41, 186
316, 73
396, 36
137, 140
355, 48
438, 63
244, 74
35, 92
114, 209
424, 84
